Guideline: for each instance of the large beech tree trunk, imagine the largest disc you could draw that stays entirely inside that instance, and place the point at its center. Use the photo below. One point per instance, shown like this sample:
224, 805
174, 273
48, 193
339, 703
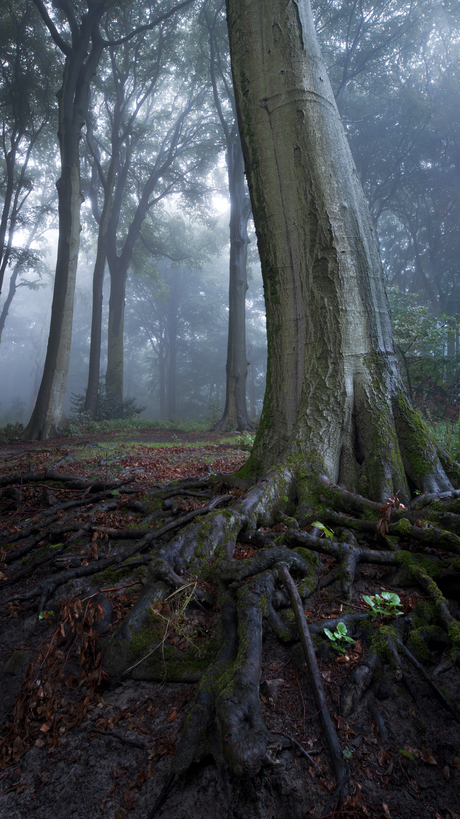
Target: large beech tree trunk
333, 386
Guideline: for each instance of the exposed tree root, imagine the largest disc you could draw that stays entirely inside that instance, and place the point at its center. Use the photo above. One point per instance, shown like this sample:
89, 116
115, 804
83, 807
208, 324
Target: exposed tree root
333, 744
273, 522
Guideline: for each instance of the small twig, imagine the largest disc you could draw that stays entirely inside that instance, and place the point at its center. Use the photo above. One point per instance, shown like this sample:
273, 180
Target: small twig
430, 682
334, 798
162, 796
332, 740
120, 738
303, 701
300, 747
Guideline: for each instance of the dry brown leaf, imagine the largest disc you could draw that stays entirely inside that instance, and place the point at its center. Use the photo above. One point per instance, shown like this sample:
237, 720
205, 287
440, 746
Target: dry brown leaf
172, 716
428, 758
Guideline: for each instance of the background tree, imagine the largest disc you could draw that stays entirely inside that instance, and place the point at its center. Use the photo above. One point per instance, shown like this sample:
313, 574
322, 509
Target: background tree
235, 414
131, 122
27, 70
78, 37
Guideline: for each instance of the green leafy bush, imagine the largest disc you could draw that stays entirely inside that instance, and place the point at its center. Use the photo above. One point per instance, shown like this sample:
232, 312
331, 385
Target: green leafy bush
108, 407
386, 604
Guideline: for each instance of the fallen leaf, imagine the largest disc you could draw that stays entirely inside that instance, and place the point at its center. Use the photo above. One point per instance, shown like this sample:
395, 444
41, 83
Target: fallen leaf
428, 758
382, 757
386, 811
172, 716
446, 773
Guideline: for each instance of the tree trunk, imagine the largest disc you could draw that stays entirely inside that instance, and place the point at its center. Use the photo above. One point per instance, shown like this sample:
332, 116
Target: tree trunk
48, 417
334, 394
171, 361
114, 374
235, 412
82, 59
98, 284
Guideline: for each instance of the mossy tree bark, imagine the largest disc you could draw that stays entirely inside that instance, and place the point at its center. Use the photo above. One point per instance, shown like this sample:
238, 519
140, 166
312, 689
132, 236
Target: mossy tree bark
333, 385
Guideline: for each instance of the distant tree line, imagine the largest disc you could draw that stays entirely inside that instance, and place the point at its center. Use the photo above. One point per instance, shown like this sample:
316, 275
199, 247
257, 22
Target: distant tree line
142, 100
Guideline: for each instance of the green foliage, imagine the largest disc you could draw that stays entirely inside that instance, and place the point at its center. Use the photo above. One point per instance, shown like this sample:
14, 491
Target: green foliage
325, 529
47, 615
108, 407
386, 604
245, 441
406, 754
339, 638
421, 341
10, 432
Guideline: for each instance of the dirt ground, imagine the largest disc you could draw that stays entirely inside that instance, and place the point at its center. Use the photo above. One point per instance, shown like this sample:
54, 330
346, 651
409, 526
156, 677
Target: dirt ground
402, 746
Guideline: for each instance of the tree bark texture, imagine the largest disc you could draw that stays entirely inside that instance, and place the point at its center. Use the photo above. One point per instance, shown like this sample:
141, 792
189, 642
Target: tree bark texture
333, 385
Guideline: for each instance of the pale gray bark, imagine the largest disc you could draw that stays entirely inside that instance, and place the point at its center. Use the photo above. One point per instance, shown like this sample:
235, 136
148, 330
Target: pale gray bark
333, 386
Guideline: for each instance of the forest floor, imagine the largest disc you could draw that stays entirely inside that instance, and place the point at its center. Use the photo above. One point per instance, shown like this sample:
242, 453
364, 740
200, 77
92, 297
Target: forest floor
84, 747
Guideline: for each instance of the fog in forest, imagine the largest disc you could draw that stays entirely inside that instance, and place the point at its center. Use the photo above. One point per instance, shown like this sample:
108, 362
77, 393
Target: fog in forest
161, 177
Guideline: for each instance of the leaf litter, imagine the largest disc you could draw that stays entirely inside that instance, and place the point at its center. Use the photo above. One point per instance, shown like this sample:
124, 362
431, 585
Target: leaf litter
74, 745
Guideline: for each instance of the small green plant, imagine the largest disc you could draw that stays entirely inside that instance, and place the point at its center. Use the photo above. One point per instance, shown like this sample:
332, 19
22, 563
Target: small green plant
347, 754
387, 604
245, 441
47, 615
325, 529
339, 638
406, 754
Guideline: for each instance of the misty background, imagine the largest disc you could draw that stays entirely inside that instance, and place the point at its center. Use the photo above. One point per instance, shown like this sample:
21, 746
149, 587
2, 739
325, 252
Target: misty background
164, 99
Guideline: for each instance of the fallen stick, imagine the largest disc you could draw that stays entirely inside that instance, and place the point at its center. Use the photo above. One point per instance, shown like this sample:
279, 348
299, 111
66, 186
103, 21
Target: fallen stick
332, 740
112, 735
428, 679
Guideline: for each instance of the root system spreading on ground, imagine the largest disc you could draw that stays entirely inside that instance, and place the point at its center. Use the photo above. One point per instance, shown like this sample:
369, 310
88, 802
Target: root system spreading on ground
176, 641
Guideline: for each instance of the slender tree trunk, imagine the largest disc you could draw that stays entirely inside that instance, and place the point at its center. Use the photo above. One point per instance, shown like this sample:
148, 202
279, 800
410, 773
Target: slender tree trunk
10, 158
172, 354
334, 396
81, 62
162, 380
235, 412
13, 286
11, 294
92, 388
48, 417
98, 284
114, 374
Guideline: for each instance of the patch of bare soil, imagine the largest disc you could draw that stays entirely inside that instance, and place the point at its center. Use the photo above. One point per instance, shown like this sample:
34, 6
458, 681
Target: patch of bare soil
103, 748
